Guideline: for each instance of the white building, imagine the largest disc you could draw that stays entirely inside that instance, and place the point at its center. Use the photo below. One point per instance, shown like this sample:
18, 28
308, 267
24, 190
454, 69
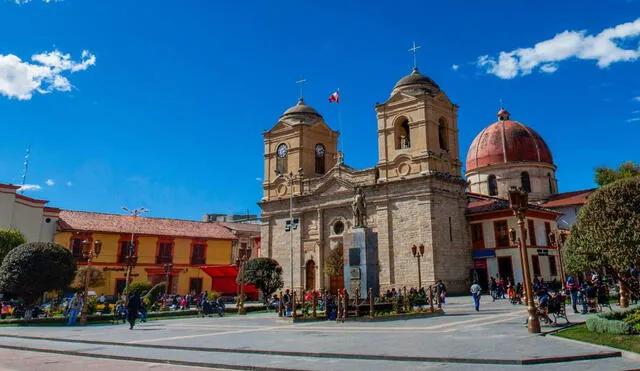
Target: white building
30, 216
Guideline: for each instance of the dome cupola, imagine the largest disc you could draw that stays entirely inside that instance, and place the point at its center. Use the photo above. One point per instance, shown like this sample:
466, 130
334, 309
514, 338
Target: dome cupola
415, 82
301, 113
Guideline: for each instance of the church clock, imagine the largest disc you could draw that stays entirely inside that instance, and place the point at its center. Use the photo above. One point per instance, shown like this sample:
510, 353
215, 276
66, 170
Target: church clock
319, 150
282, 151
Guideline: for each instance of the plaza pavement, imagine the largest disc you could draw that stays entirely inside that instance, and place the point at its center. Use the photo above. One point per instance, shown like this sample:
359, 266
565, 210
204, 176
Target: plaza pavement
492, 339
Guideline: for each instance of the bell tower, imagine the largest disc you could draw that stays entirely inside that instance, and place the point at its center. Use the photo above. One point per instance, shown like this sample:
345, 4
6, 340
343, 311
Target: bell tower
417, 130
300, 144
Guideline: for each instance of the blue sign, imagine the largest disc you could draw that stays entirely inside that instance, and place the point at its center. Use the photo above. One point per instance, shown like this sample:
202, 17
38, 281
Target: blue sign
485, 253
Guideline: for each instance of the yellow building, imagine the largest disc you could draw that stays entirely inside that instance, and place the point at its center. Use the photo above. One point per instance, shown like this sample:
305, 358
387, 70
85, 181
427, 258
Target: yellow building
187, 245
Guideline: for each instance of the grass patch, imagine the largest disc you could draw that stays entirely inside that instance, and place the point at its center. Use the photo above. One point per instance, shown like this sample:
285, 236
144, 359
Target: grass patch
581, 333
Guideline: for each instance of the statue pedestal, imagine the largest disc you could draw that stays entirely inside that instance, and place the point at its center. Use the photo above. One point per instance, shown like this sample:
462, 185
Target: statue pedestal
361, 261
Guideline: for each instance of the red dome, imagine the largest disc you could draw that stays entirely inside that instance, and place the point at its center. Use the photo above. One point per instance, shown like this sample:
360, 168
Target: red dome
507, 141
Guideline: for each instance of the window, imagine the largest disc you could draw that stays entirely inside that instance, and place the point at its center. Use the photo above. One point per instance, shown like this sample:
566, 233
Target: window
477, 237
553, 268
532, 232
450, 230
123, 251
404, 135
525, 181
197, 254
76, 249
165, 249
281, 159
502, 233
493, 185
442, 134
547, 231
320, 152
550, 183
535, 262
338, 227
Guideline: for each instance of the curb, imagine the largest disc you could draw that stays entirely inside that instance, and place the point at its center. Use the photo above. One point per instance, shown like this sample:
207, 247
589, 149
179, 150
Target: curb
624, 353
489, 361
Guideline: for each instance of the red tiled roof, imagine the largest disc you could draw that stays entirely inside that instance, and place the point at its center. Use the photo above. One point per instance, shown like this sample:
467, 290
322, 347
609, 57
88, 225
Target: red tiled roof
483, 204
114, 223
568, 198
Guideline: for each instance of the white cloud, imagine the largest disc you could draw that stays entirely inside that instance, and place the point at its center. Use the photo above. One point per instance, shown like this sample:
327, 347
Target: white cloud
69, 184
455, 67
20, 79
44, 1
258, 179
637, 99
634, 119
604, 47
50, 182
30, 187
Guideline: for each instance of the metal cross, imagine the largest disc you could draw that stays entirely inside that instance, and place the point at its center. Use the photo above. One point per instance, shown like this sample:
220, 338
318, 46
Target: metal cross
301, 83
501, 105
414, 49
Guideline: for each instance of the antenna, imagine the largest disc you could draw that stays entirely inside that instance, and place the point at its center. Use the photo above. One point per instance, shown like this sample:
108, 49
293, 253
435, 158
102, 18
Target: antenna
26, 168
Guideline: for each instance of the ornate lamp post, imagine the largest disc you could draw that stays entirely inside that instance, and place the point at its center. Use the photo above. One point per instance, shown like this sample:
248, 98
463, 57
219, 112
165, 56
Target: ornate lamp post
89, 251
291, 224
243, 257
168, 268
519, 203
555, 240
418, 253
131, 259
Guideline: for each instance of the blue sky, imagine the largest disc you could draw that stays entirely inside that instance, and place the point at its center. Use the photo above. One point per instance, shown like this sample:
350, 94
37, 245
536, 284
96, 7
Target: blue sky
162, 104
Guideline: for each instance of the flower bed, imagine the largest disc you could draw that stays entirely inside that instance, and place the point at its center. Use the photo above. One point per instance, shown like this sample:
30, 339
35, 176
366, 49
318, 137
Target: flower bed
625, 322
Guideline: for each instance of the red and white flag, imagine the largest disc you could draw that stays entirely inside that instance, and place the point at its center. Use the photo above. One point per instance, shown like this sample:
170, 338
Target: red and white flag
335, 97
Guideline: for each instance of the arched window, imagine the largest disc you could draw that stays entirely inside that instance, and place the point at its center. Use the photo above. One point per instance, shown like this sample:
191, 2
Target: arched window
525, 181
403, 135
338, 227
320, 154
442, 134
550, 183
493, 185
281, 160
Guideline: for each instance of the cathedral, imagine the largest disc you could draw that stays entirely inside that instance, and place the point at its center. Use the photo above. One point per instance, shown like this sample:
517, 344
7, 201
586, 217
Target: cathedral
415, 195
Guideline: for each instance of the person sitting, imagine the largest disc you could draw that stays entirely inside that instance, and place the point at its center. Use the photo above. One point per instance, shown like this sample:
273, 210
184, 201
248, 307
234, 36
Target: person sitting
543, 306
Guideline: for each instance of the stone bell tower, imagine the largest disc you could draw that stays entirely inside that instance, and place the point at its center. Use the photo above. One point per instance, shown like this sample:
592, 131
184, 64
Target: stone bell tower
417, 130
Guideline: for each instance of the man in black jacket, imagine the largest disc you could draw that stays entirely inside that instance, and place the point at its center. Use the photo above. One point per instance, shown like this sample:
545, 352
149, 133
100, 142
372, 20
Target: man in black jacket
133, 306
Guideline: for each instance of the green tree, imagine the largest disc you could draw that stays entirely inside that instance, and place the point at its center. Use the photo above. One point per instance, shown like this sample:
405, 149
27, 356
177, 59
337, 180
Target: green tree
10, 239
605, 175
31, 269
96, 278
139, 287
334, 265
264, 273
606, 235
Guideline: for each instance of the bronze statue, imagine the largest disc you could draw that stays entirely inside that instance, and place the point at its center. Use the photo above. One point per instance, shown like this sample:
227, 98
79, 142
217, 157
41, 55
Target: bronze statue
359, 207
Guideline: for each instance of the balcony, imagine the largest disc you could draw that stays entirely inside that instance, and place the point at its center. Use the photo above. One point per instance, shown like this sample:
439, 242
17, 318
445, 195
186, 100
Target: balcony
161, 259
197, 260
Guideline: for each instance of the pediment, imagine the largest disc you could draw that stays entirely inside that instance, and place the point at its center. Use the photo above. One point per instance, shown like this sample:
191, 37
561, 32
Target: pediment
335, 185
322, 126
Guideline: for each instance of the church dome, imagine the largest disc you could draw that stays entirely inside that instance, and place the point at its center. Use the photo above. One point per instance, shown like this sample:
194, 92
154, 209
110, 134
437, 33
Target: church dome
416, 81
507, 141
300, 109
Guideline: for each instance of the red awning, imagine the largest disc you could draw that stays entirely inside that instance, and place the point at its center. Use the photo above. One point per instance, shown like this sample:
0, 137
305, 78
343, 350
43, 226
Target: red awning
223, 279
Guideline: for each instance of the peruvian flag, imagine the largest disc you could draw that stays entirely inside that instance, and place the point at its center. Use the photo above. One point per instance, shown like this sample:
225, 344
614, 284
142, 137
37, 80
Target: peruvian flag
335, 97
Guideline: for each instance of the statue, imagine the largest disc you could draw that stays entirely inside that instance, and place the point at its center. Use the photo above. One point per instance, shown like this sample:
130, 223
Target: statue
359, 207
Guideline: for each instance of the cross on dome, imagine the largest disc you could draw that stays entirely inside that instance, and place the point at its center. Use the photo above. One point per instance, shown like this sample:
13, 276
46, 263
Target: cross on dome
414, 50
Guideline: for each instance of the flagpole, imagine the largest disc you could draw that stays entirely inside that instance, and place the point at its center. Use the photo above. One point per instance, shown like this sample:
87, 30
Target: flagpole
341, 151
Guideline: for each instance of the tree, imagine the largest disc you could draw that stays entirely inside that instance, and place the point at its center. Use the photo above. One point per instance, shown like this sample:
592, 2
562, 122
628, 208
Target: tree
96, 278
139, 287
263, 273
10, 239
605, 175
334, 265
606, 235
31, 269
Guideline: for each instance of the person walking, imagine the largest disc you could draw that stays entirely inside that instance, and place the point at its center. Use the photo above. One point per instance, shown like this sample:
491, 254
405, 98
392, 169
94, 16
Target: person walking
572, 286
475, 292
75, 306
133, 306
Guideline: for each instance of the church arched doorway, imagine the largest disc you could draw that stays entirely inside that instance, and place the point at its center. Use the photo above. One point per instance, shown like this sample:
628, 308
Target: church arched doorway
310, 279
334, 269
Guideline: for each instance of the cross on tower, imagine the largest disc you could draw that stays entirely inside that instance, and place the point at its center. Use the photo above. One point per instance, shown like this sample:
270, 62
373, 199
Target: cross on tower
301, 83
414, 49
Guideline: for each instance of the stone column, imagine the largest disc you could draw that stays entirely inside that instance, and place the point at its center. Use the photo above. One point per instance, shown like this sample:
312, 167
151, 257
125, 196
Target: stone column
320, 251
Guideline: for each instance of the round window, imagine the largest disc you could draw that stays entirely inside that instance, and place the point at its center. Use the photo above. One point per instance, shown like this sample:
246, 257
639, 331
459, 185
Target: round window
338, 227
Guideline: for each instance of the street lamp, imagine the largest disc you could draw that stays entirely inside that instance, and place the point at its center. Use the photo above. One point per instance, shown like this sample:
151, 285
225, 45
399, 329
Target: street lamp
131, 259
89, 251
519, 203
243, 256
418, 252
556, 240
291, 223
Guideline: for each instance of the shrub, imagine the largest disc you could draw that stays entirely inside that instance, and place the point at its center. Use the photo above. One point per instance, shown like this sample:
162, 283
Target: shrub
139, 287
598, 324
31, 269
96, 278
9, 240
264, 273
152, 295
213, 295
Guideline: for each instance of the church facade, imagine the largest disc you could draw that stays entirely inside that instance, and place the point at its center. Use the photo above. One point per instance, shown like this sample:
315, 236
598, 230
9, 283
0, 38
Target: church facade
415, 194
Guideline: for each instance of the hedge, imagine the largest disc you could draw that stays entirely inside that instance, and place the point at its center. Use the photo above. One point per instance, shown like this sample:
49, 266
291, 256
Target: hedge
612, 323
